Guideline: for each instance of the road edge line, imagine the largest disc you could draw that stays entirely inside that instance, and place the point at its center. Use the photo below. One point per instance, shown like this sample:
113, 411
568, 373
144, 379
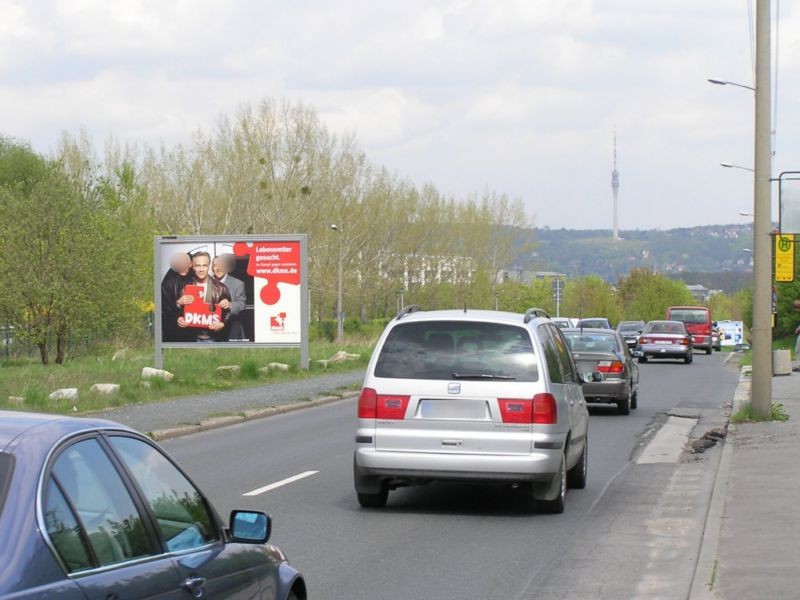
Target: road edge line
703, 581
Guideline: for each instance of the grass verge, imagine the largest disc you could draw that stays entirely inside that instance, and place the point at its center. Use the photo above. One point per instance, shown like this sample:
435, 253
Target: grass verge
25, 384
746, 414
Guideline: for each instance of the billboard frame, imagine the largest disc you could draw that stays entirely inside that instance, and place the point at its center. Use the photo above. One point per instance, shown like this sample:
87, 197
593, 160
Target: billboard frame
788, 211
162, 242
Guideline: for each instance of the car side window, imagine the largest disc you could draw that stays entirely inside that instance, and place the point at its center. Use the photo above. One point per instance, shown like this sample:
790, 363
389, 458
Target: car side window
551, 355
89, 514
564, 355
65, 531
181, 513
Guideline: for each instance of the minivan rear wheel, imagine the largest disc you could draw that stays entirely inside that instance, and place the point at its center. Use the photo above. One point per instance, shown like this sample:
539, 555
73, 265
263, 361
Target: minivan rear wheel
374, 500
576, 476
556, 506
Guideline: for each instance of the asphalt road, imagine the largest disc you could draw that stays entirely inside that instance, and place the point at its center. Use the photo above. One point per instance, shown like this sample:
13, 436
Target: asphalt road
633, 532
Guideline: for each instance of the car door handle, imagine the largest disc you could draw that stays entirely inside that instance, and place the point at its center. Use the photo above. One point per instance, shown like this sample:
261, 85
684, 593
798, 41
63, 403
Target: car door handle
194, 585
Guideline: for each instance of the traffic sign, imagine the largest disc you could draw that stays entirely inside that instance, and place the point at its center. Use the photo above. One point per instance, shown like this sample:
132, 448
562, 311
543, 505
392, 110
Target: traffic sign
784, 258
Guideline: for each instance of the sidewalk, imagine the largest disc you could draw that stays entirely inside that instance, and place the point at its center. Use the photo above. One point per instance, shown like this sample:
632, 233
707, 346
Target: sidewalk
751, 542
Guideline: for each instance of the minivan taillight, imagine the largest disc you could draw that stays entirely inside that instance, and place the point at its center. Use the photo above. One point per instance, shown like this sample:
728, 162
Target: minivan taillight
515, 411
541, 410
544, 409
372, 405
367, 404
392, 407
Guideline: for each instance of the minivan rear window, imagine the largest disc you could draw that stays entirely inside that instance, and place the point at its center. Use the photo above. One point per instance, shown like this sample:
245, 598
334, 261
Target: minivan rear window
458, 350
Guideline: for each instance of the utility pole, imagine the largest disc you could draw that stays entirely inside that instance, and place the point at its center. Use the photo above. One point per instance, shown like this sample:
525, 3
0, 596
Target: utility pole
761, 388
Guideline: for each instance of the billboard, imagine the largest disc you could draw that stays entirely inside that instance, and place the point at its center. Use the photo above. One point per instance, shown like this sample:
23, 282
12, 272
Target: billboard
730, 332
235, 291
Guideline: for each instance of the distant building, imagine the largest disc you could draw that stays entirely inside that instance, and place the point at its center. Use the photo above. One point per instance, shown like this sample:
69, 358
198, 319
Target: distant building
699, 292
525, 277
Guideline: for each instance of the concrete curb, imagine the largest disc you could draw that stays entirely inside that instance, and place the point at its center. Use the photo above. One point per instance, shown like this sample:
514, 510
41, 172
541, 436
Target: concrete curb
702, 587
248, 415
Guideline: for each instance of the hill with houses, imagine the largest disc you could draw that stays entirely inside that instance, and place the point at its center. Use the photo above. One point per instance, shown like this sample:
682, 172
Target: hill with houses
714, 256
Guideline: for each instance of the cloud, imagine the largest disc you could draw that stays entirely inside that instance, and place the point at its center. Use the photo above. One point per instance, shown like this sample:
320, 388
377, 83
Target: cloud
516, 96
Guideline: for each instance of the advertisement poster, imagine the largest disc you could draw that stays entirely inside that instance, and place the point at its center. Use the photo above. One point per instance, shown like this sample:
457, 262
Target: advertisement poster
275, 268
247, 290
730, 332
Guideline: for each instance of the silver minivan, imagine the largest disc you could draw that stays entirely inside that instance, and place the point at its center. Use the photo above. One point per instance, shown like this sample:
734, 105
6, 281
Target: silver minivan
471, 395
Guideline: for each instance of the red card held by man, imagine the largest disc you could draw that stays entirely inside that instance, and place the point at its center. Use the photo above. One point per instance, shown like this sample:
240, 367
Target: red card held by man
198, 314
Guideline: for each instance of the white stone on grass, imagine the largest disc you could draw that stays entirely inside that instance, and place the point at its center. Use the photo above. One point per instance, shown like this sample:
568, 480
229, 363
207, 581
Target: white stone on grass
65, 394
151, 373
228, 370
106, 389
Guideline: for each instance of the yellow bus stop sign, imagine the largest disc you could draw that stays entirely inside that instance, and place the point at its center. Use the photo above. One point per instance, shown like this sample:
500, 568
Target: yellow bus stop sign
784, 258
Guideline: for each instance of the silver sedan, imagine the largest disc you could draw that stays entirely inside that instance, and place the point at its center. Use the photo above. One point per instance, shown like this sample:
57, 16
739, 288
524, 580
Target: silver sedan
605, 351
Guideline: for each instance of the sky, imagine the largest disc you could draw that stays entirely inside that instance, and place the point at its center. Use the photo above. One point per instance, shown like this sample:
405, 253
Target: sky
518, 97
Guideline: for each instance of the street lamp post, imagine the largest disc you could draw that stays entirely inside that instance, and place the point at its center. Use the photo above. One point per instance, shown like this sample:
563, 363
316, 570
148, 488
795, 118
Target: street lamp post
761, 333
339, 281
723, 82
761, 387
728, 165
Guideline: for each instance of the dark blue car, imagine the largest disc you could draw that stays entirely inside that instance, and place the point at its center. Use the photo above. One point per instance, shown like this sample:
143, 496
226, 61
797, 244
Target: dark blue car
92, 509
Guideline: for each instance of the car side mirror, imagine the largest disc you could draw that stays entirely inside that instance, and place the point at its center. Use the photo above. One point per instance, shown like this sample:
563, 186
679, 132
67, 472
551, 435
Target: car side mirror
637, 354
250, 526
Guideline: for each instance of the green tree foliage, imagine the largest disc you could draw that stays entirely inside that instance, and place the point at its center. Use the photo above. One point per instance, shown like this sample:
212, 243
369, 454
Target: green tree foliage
70, 250
516, 297
645, 295
591, 296
272, 168
725, 307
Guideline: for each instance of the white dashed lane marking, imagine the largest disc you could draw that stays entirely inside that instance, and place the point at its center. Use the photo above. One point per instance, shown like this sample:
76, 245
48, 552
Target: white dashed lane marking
278, 484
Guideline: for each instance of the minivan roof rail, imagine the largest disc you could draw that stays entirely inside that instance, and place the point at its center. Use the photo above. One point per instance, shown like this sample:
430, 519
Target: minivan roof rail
535, 312
407, 310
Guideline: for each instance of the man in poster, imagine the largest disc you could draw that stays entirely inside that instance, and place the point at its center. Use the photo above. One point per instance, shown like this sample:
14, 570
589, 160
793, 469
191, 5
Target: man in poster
172, 301
221, 266
205, 318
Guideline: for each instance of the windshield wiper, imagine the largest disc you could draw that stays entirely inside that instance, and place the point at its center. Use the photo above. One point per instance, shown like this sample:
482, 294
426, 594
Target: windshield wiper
480, 376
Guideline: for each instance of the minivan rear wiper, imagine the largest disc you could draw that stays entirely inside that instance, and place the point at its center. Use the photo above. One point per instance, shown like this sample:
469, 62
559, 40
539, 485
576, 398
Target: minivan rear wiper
480, 376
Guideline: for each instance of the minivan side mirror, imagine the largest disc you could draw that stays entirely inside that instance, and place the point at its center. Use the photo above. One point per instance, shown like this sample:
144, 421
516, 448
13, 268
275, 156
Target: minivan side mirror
250, 526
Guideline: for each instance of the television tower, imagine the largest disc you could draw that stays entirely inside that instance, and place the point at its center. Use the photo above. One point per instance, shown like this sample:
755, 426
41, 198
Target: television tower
615, 187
